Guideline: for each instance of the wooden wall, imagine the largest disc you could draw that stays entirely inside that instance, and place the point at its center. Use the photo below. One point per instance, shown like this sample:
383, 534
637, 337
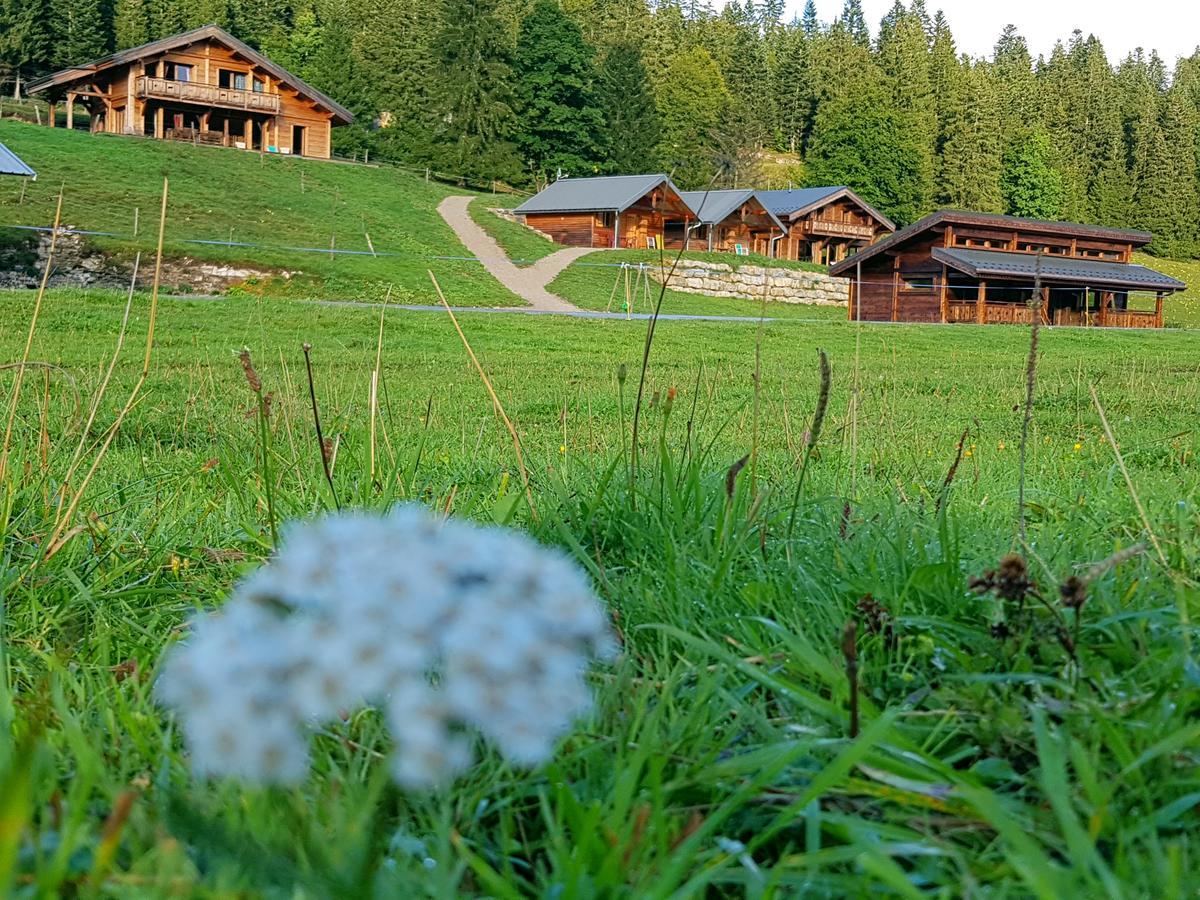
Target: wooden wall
571, 229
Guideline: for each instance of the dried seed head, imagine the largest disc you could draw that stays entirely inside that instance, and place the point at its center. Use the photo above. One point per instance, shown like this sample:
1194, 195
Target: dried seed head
1073, 592
306, 346
248, 367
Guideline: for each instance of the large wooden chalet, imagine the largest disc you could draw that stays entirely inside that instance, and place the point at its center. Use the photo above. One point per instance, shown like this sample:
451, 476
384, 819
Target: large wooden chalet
204, 86
631, 211
825, 224
977, 267
730, 220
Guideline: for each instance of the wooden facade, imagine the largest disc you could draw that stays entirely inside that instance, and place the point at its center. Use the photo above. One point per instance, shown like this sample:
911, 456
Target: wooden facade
632, 212
825, 225
203, 86
989, 269
730, 220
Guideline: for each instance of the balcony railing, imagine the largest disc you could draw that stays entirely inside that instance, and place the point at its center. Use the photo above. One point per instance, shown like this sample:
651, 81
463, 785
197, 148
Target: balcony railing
149, 87
830, 228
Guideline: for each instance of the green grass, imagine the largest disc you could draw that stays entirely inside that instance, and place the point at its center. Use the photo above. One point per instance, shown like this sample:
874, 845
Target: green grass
718, 761
522, 245
272, 201
1180, 310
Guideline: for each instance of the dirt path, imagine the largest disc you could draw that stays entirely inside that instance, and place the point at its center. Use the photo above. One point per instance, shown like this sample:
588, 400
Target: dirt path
529, 283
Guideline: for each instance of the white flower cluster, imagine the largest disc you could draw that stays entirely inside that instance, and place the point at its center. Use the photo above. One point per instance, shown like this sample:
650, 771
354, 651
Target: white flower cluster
446, 625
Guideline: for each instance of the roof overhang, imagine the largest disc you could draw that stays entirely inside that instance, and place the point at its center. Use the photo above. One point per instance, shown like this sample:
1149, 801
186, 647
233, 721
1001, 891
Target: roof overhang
68, 76
11, 164
1056, 270
989, 220
614, 204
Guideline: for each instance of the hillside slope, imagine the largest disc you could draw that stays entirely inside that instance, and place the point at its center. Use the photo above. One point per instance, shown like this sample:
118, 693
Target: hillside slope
272, 202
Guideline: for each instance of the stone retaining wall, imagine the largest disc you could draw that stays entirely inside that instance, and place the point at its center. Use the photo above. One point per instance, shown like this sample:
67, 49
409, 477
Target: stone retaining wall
748, 282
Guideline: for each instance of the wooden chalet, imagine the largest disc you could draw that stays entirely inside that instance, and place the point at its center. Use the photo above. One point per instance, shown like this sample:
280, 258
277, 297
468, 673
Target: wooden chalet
825, 224
977, 267
203, 86
732, 219
630, 211
11, 164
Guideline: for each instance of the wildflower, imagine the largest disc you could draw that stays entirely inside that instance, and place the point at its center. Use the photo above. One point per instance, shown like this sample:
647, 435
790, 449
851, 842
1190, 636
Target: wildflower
1000, 445
468, 629
562, 449
1073, 592
1078, 446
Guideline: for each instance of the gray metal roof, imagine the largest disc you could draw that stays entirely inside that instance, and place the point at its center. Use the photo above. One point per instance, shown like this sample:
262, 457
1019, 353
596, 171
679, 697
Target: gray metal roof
1055, 269
204, 32
609, 192
784, 203
11, 164
712, 207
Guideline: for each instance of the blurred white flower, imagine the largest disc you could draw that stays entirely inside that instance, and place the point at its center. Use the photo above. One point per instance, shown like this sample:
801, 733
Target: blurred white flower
450, 627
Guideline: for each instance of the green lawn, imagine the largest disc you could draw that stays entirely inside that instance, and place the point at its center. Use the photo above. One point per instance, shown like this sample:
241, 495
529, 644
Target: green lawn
522, 245
271, 201
1181, 310
1014, 746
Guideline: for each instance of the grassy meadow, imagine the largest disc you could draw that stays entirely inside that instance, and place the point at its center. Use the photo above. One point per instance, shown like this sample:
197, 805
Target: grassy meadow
1014, 738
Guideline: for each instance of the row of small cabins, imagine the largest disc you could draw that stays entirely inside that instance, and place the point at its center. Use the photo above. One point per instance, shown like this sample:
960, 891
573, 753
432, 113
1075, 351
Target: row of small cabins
951, 266
206, 86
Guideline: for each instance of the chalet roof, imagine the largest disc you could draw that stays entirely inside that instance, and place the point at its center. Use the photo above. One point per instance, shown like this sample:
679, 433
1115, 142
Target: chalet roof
792, 204
713, 207
607, 193
11, 164
1055, 269
993, 220
175, 41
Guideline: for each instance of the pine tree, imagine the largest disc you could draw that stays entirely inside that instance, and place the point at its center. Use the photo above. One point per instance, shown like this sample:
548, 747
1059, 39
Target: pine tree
164, 18
630, 115
1166, 201
560, 124
692, 98
904, 59
1030, 184
946, 79
475, 97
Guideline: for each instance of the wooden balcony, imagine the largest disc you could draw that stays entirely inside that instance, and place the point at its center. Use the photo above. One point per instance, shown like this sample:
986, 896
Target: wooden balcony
148, 87
830, 228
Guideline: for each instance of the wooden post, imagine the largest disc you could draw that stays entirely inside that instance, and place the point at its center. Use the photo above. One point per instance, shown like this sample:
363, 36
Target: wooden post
1105, 299
159, 130
981, 304
51, 113
853, 297
1158, 310
248, 133
896, 289
70, 111
945, 299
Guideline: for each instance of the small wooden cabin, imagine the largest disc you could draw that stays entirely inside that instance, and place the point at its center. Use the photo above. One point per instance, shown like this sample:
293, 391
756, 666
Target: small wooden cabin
978, 267
732, 219
825, 224
203, 86
11, 164
631, 211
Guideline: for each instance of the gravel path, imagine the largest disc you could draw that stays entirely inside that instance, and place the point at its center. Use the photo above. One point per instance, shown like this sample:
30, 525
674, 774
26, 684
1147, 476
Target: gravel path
529, 283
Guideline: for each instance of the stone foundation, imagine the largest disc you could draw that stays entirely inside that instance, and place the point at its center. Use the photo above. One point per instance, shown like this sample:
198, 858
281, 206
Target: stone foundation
749, 282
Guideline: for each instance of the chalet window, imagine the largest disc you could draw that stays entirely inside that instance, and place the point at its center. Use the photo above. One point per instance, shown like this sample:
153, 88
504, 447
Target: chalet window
227, 78
259, 85
1054, 249
918, 281
177, 72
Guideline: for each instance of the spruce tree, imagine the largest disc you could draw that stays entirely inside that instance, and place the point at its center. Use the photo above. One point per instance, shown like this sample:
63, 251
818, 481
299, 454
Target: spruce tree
631, 118
854, 22
970, 164
691, 98
810, 23
561, 127
904, 59
475, 97
26, 41
1031, 185
82, 32
131, 26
